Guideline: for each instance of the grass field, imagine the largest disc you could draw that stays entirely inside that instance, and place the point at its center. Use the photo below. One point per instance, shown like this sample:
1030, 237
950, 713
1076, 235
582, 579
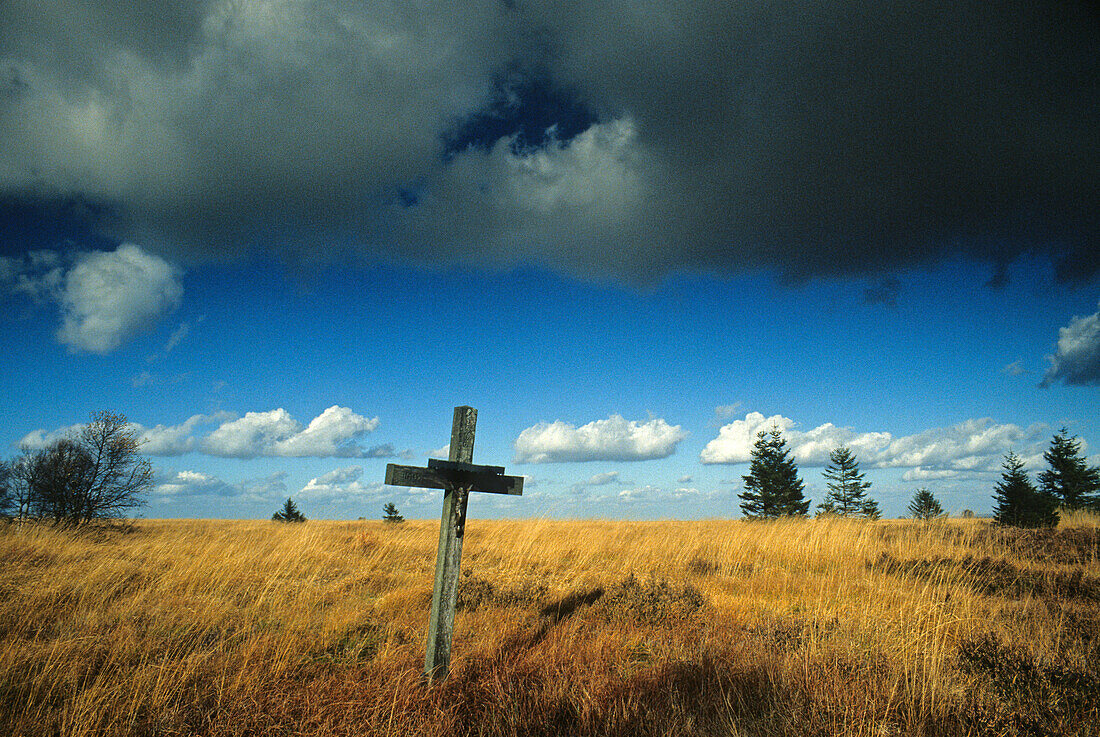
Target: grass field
816, 627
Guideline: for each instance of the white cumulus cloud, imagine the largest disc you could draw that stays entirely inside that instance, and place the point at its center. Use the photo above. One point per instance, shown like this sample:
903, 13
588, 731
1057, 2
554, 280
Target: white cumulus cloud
109, 297
613, 439
191, 484
276, 433
1077, 358
105, 297
342, 485
971, 445
329, 434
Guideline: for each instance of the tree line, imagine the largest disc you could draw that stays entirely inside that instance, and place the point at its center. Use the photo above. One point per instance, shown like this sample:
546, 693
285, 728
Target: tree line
98, 473
773, 488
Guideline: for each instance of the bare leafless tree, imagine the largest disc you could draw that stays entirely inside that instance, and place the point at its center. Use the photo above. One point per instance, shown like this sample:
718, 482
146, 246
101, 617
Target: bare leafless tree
97, 473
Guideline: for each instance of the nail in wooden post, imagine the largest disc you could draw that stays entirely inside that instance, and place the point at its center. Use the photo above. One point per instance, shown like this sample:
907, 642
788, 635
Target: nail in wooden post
441, 622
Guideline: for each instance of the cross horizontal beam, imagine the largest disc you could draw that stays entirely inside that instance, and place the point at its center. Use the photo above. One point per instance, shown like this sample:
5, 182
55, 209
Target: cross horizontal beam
454, 475
459, 466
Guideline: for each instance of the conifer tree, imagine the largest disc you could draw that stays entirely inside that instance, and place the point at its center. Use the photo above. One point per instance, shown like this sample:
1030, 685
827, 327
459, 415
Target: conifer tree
1069, 479
289, 513
390, 513
925, 506
772, 486
1018, 502
847, 490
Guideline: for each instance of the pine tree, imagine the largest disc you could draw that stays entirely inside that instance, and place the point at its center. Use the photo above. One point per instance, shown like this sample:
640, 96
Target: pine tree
847, 490
289, 513
870, 509
1069, 479
925, 506
772, 486
390, 513
1018, 502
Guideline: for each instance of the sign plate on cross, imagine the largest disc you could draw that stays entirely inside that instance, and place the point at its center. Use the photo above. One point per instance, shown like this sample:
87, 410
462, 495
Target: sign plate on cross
457, 476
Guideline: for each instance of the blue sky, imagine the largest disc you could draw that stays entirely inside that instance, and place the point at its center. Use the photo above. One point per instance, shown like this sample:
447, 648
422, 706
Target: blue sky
627, 237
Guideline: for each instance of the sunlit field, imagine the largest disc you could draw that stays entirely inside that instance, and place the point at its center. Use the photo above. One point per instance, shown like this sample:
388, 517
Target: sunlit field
564, 628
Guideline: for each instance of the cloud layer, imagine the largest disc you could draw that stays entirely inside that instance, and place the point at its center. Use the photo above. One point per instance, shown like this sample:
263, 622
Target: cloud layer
332, 434
613, 439
812, 138
105, 297
976, 445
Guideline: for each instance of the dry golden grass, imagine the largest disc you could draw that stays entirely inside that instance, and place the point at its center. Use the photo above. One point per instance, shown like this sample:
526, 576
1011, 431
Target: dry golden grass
603, 628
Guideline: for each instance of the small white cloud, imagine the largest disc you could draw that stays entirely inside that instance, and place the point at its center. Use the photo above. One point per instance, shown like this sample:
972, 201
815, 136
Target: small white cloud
39, 439
684, 480
613, 439
329, 434
109, 297
252, 435
735, 440
1077, 358
602, 479
106, 297
650, 494
174, 440
37, 275
276, 433
195, 483
726, 411
1016, 368
924, 474
340, 476
342, 485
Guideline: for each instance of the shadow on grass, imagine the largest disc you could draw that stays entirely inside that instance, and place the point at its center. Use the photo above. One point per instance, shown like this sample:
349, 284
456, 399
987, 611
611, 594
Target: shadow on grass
549, 615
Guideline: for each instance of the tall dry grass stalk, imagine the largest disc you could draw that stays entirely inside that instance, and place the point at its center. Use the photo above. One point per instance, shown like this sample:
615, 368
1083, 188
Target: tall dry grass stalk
564, 627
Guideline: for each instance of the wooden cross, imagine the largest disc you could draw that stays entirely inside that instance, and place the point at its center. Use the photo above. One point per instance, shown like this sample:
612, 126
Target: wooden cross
457, 477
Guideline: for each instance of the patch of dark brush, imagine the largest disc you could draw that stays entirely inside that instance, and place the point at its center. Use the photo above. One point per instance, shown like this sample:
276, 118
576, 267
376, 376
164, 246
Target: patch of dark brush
1027, 697
702, 566
358, 644
651, 601
1066, 546
475, 592
996, 577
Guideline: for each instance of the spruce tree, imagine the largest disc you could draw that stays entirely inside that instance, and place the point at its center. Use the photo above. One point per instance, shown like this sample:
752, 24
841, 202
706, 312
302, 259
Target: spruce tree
390, 513
1018, 502
1070, 479
847, 490
925, 506
772, 486
289, 513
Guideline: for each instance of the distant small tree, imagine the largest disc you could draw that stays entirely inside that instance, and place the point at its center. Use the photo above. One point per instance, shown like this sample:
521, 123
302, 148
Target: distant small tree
772, 486
390, 513
925, 506
968, 514
847, 495
289, 513
1018, 502
1070, 479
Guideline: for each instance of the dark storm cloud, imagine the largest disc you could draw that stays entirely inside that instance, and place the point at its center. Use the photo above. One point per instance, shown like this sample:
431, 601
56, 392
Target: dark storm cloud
811, 138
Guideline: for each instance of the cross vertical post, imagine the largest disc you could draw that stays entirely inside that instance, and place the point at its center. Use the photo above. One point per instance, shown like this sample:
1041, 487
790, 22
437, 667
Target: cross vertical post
457, 477
449, 555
